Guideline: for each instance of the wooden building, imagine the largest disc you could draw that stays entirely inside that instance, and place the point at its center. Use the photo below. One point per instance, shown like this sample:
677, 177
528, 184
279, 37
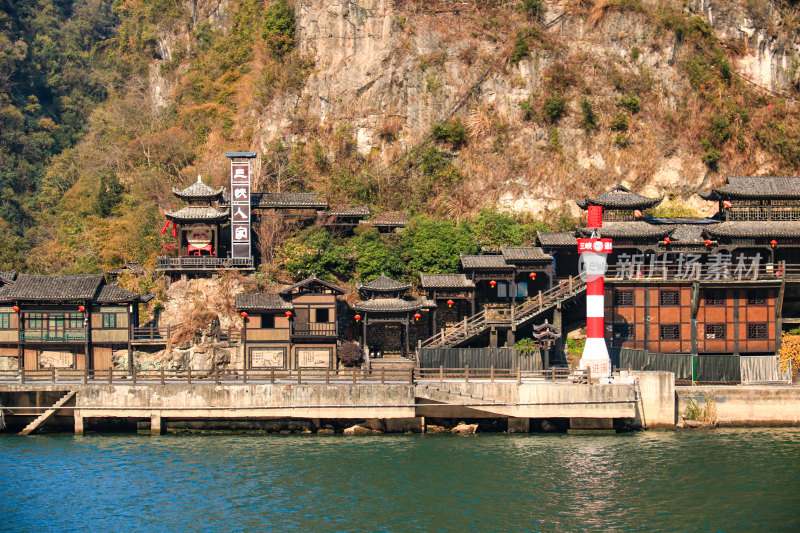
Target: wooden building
388, 221
296, 328
387, 316
66, 321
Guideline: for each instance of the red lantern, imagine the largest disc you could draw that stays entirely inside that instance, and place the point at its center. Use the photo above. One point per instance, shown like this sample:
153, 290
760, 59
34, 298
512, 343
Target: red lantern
708, 242
164, 229
15, 309
492, 283
417, 316
174, 230
773, 243
726, 203
244, 315
532, 275
450, 303
667, 240
288, 314
357, 317
82, 309
637, 213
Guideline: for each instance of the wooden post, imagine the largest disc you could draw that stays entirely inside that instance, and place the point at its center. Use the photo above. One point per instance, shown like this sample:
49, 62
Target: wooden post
22, 376
244, 375
85, 376
519, 376
272, 376
441, 374
466, 374
355, 375
299, 376
216, 375
465, 325
133, 375
411, 376
53, 374
491, 373
110, 375
589, 375
327, 376
189, 375
553, 374
541, 300
162, 375
383, 376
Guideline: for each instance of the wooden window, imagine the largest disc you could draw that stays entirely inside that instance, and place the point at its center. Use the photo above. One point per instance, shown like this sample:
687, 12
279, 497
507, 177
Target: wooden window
75, 321
33, 321
5, 320
623, 332
322, 315
109, 320
668, 298
756, 297
757, 330
623, 298
268, 321
715, 331
715, 296
669, 332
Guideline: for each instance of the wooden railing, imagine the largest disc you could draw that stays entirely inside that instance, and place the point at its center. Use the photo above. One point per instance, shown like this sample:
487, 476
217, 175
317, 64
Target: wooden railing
203, 263
229, 334
52, 336
153, 333
66, 376
313, 329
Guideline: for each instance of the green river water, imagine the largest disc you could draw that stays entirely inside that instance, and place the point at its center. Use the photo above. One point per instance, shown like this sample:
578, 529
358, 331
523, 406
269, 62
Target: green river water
715, 480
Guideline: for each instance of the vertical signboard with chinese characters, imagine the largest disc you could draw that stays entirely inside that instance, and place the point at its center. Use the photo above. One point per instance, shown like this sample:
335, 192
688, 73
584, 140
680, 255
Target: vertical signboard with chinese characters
241, 241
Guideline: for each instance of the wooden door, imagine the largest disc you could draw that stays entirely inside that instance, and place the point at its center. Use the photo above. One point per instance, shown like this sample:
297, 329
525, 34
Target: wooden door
102, 357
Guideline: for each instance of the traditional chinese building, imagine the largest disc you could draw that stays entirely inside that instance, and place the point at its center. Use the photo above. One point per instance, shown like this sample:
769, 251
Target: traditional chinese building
388, 221
295, 328
389, 317
72, 322
198, 227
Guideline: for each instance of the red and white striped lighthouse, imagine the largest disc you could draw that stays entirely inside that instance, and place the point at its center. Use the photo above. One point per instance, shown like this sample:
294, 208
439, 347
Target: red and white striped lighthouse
593, 252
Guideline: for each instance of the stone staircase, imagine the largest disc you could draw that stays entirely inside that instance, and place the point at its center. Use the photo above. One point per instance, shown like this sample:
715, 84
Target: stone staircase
513, 318
41, 419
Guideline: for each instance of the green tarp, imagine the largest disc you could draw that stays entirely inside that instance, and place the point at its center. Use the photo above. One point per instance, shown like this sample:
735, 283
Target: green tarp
501, 358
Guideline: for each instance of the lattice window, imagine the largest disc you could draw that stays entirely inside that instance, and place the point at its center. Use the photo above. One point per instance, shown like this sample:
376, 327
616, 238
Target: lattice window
715, 331
109, 320
623, 298
668, 298
756, 297
786, 213
669, 332
5, 320
715, 297
623, 332
757, 330
614, 215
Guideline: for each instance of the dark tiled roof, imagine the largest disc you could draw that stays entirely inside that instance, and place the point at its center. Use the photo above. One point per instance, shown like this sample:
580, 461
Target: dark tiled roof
561, 238
197, 190
755, 229
7, 276
311, 281
446, 281
115, 294
357, 211
388, 305
384, 283
287, 200
688, 233
631, 229
52, 288
756, 187
188, 214
525, 254
262, 302
389, 218
620, 197
485, 261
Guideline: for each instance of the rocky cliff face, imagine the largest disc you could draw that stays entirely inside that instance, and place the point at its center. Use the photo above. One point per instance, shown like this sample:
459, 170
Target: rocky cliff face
386, 70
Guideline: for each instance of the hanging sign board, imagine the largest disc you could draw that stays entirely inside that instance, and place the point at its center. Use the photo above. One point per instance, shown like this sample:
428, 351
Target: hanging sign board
241, 229
595, 216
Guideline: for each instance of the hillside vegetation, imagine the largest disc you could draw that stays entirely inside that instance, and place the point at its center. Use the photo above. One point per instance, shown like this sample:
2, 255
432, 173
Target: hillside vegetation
484, 119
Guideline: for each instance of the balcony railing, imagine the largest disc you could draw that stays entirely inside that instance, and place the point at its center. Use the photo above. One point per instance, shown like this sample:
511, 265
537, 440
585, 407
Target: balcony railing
313, 329
203, 263
52, 336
